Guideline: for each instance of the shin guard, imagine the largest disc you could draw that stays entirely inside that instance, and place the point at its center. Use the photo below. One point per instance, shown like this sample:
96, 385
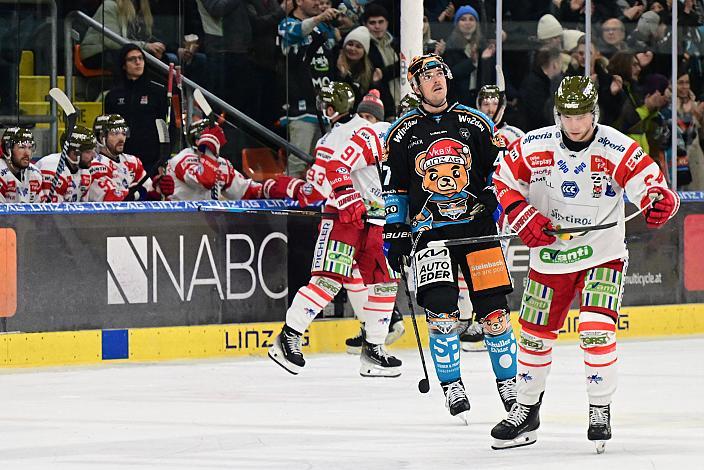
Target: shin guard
310, 300
534, 359
444, 344
597, 334
377, 311
501, 343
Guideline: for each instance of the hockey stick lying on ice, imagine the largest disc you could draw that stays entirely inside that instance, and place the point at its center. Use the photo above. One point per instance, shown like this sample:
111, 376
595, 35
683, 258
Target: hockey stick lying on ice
562, 233
71, 117
305, 213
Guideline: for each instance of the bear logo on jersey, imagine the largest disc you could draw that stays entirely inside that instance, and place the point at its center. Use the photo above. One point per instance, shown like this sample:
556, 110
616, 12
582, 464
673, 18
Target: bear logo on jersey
444, 167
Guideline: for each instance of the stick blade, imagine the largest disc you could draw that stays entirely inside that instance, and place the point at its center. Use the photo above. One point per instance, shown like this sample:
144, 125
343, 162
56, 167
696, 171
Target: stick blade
62, 100
163, 130
202, 102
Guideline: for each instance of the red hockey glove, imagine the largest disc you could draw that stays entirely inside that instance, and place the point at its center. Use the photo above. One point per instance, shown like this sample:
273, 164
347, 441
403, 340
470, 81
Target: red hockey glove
666, 204
530, 225
282, 187
212, 138
351, 207
166, 185
208, 171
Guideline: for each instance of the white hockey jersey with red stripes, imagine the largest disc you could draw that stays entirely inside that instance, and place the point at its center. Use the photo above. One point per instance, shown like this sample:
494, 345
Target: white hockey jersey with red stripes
577, 189
25, 189
185, 167
71, 187
111, 180
352, 149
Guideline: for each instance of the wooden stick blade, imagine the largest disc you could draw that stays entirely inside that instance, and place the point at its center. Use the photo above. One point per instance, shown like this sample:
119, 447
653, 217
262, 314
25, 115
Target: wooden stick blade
202, 102
162, 129
62, 100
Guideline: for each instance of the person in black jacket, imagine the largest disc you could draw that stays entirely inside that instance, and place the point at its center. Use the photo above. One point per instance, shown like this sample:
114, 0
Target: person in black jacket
383, 53
537, 90
140, 101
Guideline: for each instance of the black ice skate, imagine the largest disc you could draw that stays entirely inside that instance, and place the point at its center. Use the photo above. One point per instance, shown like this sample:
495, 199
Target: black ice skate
286, 350
354, 344
599, 426
377, 362
396, 328
456, 399
473, 338
507, 392
519, 428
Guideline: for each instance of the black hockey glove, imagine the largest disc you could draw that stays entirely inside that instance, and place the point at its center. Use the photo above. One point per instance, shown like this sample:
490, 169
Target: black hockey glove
397, 244
488, 199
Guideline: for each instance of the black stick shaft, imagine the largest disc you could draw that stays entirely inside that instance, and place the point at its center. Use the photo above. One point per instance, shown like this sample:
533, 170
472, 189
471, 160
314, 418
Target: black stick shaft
422, 387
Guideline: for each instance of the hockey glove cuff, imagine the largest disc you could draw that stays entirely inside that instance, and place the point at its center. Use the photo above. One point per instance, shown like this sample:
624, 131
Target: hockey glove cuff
351, 207
530, 225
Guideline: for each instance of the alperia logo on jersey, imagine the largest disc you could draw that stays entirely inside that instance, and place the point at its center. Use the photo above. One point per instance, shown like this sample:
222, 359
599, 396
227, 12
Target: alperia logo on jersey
607, 143
570, 256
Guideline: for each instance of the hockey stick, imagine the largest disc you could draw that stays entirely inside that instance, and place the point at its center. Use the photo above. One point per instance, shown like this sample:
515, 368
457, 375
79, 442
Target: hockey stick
169, 93
162, 130
71, 117
557, 232
182, 105
424, 383
293, 212
202, 103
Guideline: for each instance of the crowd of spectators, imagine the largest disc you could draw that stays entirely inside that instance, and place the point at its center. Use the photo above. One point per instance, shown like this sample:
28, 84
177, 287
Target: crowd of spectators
267, 58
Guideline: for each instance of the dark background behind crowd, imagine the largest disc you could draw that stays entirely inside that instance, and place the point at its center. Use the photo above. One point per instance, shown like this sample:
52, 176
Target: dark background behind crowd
267, 57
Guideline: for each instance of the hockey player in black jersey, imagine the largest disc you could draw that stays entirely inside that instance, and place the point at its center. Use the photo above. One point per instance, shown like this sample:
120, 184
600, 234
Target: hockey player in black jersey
436, 171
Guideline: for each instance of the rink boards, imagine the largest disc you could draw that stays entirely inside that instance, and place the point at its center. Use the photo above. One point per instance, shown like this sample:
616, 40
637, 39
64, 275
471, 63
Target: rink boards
253, 339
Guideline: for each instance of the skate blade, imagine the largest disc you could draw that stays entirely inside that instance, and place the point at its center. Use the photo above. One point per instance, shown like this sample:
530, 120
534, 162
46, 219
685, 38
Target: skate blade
396, 332
356, 350
525, 439
277, 355
473, 347
373, 370
464, 417
600, 446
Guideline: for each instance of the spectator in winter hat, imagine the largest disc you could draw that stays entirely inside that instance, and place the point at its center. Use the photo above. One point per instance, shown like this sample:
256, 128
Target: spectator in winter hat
466, 10
353, 64
648, 32
371, 108
549, 32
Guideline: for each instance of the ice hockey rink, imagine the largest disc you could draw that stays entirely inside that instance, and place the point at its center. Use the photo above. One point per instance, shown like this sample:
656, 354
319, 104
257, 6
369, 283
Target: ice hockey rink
250, 414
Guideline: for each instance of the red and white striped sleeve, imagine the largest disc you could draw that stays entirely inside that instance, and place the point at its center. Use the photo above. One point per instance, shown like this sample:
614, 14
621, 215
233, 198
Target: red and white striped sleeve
512, 176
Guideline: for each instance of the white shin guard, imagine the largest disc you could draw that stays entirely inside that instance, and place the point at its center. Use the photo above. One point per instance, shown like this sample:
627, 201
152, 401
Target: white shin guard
377, 311
310, 300
534, 360
597, 335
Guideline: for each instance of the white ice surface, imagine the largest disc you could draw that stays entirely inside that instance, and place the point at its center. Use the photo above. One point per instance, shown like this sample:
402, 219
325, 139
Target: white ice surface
250, 413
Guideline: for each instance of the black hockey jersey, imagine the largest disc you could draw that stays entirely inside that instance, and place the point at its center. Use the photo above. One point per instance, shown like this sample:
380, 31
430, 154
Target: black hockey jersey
437, 169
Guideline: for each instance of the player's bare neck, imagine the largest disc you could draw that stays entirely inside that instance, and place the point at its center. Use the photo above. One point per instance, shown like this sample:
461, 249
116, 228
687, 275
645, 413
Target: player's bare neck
430, 109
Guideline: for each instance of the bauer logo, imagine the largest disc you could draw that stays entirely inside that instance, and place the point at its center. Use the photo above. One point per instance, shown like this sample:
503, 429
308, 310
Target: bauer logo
140, 269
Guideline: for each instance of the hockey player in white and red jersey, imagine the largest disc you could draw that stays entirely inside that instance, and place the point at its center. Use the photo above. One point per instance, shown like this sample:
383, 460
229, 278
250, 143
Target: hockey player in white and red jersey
201, 173
115, 175
349, 233
74, 179
20, 179
573, 174
317, 188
